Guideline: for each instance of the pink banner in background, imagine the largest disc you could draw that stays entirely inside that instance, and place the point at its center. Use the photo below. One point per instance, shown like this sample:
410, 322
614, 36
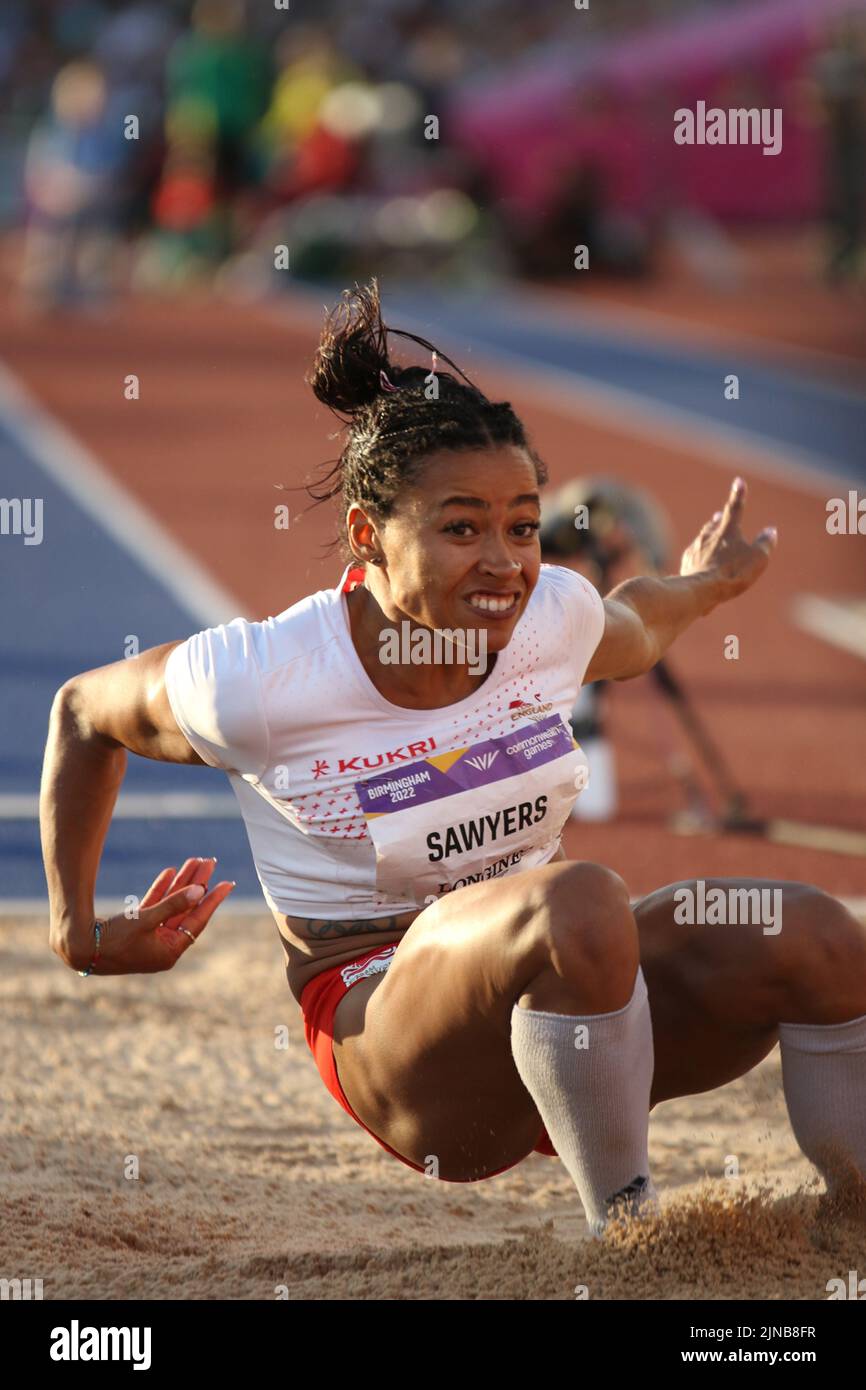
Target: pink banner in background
612, 106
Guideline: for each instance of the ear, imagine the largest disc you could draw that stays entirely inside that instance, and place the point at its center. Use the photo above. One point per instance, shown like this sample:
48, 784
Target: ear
362, 534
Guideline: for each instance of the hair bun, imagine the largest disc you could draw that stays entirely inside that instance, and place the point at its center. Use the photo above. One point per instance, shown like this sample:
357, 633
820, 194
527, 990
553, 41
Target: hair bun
352, 353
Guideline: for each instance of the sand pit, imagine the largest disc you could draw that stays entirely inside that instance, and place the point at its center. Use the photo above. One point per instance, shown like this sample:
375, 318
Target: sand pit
251, 1177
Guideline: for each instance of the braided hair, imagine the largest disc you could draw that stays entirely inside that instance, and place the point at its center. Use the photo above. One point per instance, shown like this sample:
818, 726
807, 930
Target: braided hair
393, 420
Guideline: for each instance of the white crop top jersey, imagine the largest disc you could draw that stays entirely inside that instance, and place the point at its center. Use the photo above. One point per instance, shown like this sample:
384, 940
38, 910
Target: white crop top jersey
355, 807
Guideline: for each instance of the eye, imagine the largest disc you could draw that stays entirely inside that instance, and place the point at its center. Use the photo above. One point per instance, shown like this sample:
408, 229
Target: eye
523, 529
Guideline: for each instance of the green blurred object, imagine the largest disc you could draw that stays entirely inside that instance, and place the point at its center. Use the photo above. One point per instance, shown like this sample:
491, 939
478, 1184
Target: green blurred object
229, 74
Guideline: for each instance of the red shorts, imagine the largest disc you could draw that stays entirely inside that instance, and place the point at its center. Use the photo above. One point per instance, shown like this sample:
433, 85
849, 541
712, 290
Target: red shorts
319, 1000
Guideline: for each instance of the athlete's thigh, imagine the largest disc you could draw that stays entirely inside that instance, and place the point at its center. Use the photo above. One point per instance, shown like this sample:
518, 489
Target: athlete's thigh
424, 1053
715, 991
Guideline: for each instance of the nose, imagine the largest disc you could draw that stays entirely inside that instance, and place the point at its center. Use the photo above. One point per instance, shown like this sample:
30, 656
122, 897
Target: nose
497, 562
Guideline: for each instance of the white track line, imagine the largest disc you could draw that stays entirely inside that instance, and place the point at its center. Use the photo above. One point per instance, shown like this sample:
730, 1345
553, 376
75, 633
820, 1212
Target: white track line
79, 473
245, 907
108, 907
138, 806
628, 412
841, 624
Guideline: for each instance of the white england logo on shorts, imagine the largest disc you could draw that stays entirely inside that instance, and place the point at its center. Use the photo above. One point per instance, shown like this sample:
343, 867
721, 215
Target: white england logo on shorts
353, 973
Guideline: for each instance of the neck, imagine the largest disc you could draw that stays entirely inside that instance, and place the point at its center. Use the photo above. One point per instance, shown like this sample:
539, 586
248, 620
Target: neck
401, 681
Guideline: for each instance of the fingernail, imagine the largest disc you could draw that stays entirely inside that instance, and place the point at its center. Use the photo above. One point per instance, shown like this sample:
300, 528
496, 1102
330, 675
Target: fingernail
194, 892
717, 516
771, 533
739, 484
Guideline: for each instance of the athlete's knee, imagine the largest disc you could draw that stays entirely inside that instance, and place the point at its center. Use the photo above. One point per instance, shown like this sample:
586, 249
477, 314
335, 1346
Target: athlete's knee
823, 956
582, 933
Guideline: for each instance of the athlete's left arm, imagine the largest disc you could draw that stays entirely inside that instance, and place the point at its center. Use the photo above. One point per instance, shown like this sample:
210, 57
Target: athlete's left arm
644, 615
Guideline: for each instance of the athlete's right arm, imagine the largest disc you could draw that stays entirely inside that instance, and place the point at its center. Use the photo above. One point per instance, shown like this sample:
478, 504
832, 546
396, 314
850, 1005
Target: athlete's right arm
95, 718
126, 703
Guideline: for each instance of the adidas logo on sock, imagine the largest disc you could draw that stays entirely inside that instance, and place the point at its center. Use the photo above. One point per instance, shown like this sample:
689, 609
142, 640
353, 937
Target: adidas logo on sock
629, 1199
637, 1198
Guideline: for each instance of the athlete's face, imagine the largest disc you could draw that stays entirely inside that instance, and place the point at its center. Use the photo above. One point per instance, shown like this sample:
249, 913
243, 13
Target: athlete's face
461, 547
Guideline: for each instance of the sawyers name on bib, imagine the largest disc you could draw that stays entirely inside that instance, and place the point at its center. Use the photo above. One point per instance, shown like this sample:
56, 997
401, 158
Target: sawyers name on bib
475, 813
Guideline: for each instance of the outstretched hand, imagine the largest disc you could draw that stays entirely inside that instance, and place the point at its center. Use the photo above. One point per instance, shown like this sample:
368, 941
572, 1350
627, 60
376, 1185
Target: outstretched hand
722, 551
153, 940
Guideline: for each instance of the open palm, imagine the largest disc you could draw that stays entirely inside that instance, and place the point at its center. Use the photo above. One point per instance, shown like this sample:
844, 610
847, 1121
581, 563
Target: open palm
176, 903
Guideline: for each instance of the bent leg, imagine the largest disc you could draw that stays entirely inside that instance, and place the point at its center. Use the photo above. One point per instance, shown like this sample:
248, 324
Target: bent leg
424, 1053
722, 995
718, 993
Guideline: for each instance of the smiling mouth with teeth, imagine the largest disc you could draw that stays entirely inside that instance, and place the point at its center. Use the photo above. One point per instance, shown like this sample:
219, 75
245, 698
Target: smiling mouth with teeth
493, 603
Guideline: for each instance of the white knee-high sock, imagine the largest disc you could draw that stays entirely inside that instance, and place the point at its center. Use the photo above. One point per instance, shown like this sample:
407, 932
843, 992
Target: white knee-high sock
590, 1077
824, 1076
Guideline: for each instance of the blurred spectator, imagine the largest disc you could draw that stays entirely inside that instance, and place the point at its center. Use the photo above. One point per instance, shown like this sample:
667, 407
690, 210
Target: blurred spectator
840, 71
309, 67
192, 226
219, 69
73, 159
217, 86
578, 215
247, 112
303, 152
132, 48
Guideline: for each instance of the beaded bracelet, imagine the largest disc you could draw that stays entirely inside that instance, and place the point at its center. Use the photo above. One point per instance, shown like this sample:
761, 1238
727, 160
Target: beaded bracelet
97, 928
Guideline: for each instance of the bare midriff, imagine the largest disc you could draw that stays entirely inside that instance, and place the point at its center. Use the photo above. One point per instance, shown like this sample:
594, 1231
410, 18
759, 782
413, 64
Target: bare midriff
314, 944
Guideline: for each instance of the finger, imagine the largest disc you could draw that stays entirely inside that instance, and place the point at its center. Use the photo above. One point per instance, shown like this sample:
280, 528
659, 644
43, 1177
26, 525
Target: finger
181, 932
733, 508
158, 888
196, 920
734, 505
195, 870
200, 872
709, 526
175, 905
203, 868
767, 539
184, 875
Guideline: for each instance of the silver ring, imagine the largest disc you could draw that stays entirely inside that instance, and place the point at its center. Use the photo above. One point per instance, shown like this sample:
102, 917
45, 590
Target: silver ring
186, 933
